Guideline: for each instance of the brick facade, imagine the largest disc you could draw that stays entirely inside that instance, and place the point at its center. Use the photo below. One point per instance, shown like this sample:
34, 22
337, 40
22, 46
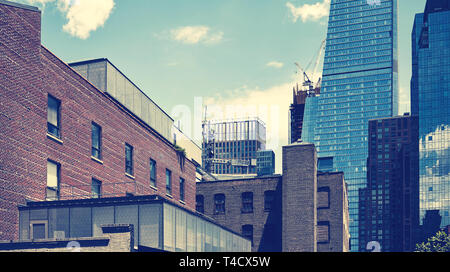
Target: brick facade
264, 239
292, 223
28, 74
336, 213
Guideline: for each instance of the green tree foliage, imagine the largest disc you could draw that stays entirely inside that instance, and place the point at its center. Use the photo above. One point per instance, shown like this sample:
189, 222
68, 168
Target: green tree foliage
438, 243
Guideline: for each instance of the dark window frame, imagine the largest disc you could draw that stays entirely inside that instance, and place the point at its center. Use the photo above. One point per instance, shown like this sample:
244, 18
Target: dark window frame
246, 231
153, 176
53, 130
129, 161
58, 178
38, 222
247, 202
96, 152
200, 208
219, 204
182, 189
99, 185
168, 182
268, 204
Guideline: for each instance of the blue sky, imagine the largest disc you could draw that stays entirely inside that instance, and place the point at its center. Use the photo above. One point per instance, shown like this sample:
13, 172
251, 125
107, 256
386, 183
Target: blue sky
226, 52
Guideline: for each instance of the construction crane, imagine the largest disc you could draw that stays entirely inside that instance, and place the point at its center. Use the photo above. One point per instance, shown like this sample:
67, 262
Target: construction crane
307, 82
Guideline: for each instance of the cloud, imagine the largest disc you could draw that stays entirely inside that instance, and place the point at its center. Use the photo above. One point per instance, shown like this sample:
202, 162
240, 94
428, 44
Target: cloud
195, 35
307, 12
275, 64
83, 16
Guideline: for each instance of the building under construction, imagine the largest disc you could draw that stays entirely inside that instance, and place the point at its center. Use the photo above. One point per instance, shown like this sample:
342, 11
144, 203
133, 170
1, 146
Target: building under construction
302, 111
230, 147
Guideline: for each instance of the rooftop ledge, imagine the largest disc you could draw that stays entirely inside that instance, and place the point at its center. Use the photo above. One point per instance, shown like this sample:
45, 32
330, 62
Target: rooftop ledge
18, 5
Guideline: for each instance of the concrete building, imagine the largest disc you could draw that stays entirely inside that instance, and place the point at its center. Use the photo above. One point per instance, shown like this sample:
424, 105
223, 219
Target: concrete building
229, 147
64, 138
389, 206
301, 210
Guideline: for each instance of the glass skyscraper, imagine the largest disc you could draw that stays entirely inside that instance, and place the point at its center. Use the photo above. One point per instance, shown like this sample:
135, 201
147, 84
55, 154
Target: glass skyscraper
430, 86
360, 82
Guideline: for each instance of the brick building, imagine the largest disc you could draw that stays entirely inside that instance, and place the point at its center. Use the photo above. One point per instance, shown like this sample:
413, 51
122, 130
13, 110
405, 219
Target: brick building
301, 210
63, 138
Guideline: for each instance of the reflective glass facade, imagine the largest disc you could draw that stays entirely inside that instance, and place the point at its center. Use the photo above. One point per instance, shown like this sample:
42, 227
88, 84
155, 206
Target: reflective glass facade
360, 82
430, 101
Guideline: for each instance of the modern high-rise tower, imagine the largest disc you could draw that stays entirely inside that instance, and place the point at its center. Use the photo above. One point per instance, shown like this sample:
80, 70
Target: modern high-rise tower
430, 91
360, 82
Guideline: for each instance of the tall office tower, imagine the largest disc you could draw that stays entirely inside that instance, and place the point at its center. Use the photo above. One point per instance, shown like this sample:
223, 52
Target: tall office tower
359, 82
229, 147
430, 100
389, 206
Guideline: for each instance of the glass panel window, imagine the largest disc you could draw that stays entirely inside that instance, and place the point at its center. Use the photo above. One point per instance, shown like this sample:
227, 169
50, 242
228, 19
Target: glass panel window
219, 202
200, 204
247, 232
96, 150
247, 202
152, 173
53, 116
182, 189
269, 197
168, 182
96, 188
53, 180
128, 159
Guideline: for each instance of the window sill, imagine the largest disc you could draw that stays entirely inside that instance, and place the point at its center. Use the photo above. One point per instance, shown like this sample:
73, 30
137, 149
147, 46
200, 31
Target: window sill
54, 138
153, 187
246, 212
130, 176
96, 160
182, 202
169, 195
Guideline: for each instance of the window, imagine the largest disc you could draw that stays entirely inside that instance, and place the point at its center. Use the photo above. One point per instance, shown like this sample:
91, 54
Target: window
53, 117
152, 173
182, 189
323, 232
269, 197
96, 188
247, 232
128, 159
38, 230
53, 179
219, 202
323, 198
200, 204
247, 202
96, 149
168, 182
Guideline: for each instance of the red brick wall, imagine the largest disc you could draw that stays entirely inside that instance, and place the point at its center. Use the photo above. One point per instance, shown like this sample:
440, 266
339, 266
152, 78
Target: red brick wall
28, 73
